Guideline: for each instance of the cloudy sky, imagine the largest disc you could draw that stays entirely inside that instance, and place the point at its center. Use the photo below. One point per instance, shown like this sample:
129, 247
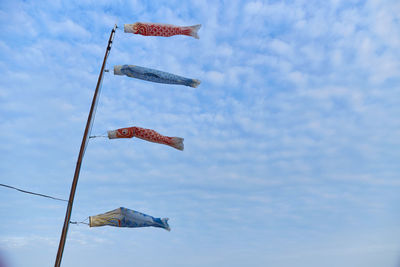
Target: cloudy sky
292, 141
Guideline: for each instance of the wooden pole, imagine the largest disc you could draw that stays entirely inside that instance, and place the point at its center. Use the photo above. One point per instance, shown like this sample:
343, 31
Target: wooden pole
85, 140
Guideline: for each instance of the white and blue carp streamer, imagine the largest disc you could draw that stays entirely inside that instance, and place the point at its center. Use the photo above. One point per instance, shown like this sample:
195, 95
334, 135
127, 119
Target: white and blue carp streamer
123, 217
153, 75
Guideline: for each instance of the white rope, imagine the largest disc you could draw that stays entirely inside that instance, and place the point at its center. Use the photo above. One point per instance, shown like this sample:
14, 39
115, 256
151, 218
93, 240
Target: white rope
81, 222
95, 136
104, 134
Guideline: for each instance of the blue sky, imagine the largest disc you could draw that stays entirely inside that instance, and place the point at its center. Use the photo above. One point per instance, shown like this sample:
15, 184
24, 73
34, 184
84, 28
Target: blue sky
291, 141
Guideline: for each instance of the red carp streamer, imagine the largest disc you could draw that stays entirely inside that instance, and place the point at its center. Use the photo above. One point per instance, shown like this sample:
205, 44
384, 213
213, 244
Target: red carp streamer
158, 29
148, 135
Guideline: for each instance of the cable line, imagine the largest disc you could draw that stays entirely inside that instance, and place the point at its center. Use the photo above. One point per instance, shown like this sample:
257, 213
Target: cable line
32, 193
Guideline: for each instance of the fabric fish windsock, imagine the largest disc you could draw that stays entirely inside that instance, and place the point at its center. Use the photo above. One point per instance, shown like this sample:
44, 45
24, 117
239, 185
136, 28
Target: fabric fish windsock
148, 135
153, 75
159, 29
123, 217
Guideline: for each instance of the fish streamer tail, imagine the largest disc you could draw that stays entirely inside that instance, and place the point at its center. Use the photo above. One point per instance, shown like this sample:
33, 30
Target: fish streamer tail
165, 224
194, 30
177, 142
195, 83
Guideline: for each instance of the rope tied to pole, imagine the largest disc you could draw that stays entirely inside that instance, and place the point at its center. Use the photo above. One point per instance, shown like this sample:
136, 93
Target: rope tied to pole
85, 221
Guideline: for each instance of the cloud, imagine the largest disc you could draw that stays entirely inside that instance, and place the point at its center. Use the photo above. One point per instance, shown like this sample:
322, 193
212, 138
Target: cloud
67, 27
291, 137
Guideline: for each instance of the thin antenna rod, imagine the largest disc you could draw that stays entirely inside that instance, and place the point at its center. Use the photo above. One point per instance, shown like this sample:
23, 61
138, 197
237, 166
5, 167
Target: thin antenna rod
82, 152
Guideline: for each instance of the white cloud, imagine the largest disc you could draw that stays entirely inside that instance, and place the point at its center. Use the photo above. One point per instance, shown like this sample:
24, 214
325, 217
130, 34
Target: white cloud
280, 47
216, 77
292, 131
67, 27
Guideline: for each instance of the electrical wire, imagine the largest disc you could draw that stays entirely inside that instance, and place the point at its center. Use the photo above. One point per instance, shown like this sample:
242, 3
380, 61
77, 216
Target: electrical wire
32, 193
42, 195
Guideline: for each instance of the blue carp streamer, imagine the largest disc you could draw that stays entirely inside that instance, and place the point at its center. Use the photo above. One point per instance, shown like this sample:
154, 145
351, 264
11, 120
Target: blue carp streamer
123, 217
153, 75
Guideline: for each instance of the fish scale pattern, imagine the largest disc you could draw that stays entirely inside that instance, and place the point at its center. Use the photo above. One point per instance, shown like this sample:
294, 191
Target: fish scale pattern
149, 135
153, 75
159, 29
152, 29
